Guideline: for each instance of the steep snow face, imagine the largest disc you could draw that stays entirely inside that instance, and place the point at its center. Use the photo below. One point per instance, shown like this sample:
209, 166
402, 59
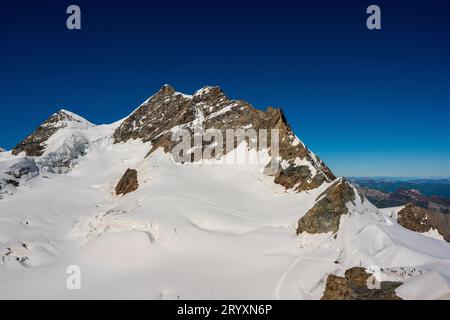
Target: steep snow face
190, 231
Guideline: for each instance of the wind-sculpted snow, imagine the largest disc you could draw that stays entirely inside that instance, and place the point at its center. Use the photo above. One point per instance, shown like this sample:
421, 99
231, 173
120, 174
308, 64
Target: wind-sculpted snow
198, 230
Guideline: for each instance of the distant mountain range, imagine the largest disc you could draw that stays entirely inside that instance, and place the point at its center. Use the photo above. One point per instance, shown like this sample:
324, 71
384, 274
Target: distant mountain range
439, 187
390, 192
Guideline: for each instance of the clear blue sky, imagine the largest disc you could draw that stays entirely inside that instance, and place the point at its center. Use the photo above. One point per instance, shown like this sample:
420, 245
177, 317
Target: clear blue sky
367, 102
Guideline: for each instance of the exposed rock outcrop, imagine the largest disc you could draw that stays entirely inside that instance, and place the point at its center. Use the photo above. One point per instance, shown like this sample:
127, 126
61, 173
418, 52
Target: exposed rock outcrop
34, 145
167, 110
326, 214
353, 286
128, 183
299, 177
423, 220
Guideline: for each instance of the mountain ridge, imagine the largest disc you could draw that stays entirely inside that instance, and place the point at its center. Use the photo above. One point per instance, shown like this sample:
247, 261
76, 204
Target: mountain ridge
181, 110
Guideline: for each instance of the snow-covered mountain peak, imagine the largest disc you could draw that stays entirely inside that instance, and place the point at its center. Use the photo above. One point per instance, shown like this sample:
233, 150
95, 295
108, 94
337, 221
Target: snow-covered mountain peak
112, 200
36, 144
69, 116
166, 90
165, 93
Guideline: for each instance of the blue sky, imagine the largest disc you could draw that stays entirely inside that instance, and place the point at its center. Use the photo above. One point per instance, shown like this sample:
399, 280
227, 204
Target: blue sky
371, 103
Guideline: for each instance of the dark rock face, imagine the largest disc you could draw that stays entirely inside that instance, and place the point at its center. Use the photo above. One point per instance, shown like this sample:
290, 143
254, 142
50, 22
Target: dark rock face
209, 108
326, 214
353, 286
423, 220
128, 183
34, 145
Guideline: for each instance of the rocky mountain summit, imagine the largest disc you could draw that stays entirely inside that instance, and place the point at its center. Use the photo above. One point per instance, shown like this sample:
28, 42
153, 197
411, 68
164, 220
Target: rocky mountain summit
209, 108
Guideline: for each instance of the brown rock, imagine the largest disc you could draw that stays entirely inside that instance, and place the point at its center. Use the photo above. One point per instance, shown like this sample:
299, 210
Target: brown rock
128, 183
326, 214
423, 220
353, 286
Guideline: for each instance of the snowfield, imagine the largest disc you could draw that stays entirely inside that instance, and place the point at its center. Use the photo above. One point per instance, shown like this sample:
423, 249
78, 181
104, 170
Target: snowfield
193, 231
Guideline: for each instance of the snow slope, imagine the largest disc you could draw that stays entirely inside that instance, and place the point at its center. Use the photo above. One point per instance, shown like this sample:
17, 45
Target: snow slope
192, 231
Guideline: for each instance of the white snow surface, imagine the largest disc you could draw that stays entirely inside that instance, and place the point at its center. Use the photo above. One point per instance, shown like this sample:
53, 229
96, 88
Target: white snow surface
434, 233
192, 231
